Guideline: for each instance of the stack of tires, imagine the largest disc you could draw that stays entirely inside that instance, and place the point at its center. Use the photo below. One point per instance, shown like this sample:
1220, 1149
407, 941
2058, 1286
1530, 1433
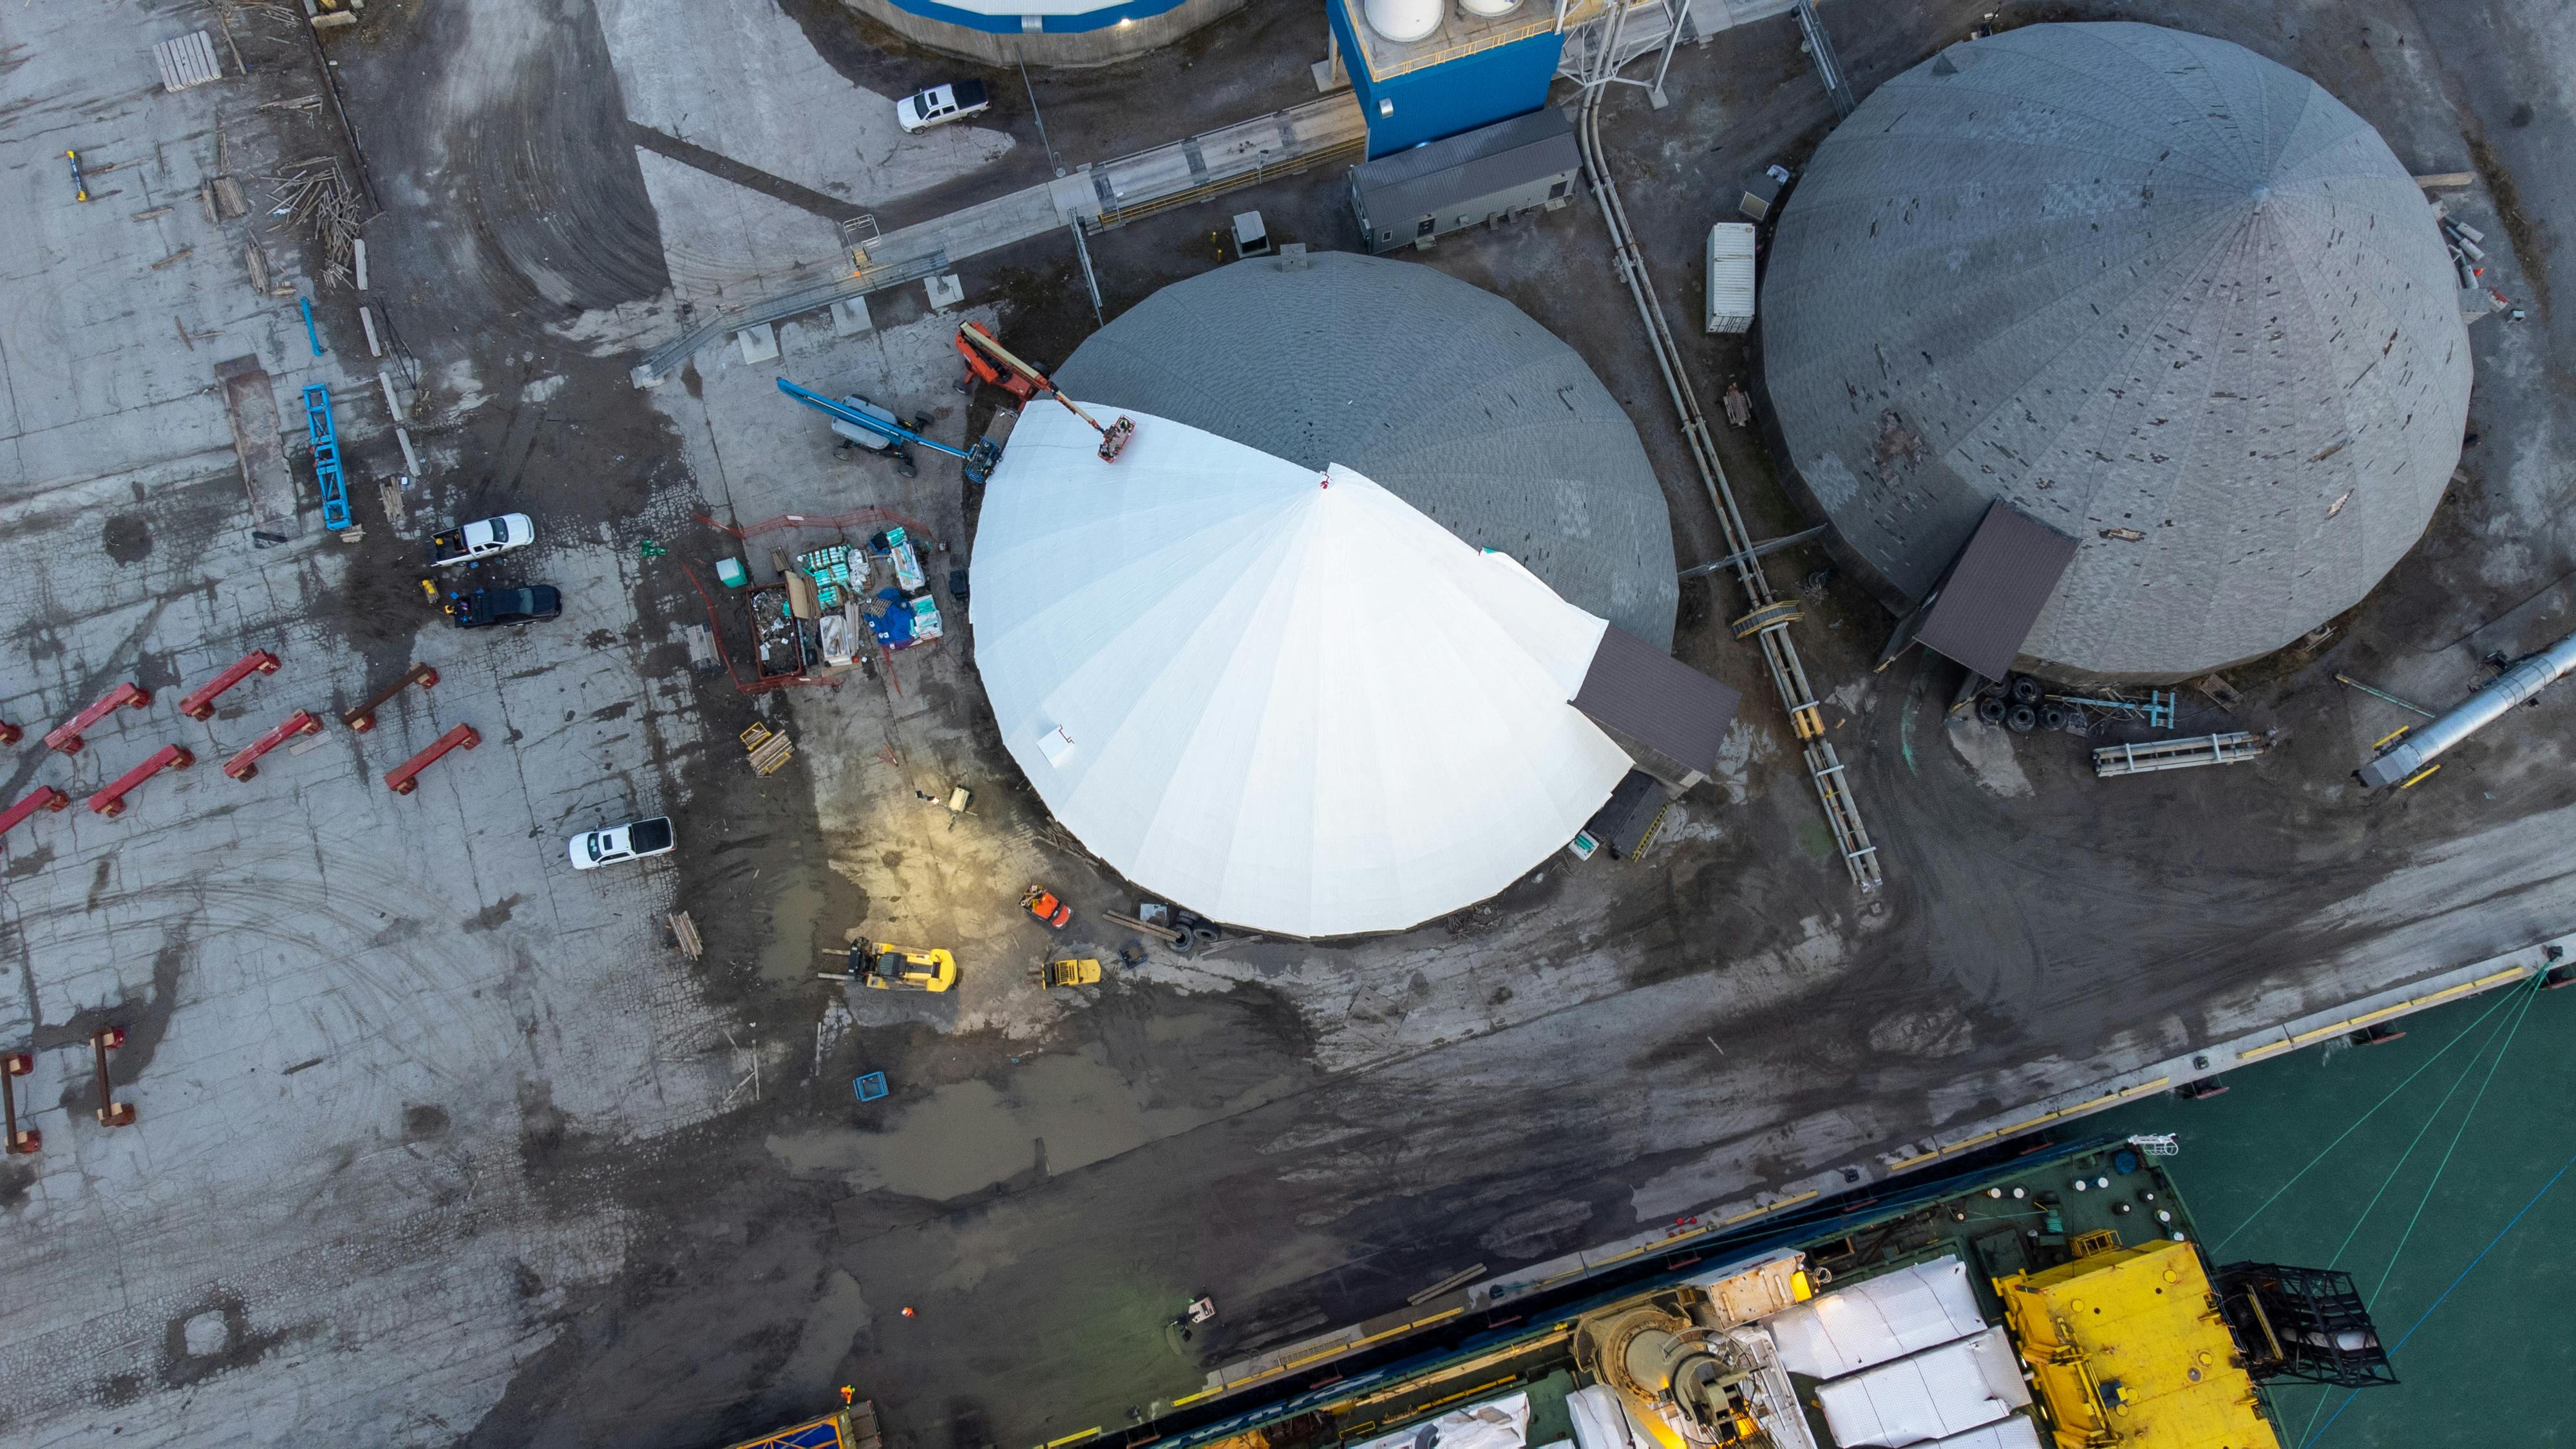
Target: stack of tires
2021, 705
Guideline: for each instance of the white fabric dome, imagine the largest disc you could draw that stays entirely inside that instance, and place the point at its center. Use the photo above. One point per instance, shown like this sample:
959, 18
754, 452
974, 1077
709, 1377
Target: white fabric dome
1291, 702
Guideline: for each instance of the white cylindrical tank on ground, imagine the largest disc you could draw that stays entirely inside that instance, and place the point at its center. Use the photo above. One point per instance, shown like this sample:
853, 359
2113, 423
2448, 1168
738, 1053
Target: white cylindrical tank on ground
2526, 677
1403, 21
1487, 9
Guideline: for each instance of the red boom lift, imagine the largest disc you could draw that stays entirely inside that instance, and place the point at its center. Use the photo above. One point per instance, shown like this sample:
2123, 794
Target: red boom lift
972, 338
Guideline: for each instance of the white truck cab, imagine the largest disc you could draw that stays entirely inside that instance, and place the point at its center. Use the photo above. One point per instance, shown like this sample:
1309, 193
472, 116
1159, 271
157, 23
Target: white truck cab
633, 840
481, 539
939, 105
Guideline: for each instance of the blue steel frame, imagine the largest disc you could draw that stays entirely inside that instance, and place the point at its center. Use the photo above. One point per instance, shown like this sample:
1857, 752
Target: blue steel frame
326, 458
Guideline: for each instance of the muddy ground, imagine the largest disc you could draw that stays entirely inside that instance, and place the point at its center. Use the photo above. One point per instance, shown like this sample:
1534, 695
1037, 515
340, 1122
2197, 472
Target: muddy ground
633, 1242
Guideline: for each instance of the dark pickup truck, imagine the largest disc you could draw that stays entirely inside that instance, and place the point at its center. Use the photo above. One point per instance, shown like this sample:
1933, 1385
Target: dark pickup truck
476, 608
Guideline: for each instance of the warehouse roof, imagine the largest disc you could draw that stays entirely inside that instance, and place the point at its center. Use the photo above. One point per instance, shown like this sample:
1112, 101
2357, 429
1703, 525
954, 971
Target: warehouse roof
2003, 578
1649, 701
2162, 295
1445, 394
1423, 179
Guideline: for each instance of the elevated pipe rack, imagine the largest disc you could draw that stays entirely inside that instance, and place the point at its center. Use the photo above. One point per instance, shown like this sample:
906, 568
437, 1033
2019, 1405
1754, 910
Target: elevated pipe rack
200, 704
110, 802
244, 765
46, 797
1767, 617
405, 777
362, 717
66, 736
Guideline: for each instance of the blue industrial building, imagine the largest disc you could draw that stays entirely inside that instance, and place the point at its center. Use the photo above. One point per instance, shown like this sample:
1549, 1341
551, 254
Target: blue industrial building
1013, 22
1459, 78
1045, 32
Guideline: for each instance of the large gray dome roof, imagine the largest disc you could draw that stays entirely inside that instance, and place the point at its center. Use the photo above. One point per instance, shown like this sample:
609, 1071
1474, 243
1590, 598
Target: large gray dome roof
1445, 394
2131, 281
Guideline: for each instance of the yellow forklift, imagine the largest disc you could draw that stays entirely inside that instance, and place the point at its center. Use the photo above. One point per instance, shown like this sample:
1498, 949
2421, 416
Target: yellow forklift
1070, 971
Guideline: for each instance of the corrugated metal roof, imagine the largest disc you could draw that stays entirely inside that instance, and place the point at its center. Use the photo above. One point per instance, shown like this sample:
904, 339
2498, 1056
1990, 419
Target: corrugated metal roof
1447, 395
2156, 291
1637, 690
1995, 592
1627, 821
1493, 158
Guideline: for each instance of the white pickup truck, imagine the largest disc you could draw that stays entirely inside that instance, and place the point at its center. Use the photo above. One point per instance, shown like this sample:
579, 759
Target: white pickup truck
481, 539
633, 840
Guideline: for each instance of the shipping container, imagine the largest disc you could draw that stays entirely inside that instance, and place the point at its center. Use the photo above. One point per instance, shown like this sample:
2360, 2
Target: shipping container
1730, 277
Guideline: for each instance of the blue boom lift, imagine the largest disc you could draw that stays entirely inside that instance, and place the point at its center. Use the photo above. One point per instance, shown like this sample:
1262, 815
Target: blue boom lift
978, 460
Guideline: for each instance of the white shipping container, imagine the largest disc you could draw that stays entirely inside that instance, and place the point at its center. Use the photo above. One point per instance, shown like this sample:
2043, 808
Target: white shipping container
1730, 277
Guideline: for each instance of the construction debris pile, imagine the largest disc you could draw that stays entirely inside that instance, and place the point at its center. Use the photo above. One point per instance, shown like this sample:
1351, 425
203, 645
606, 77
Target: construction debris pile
313, 192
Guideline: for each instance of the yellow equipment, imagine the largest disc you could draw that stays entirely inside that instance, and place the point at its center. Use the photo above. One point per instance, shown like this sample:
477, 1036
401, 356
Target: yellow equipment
2127, 1347
1072, 971
888, 966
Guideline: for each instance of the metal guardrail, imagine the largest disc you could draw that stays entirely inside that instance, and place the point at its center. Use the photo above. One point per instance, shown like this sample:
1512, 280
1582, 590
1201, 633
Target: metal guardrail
1260, 171
1494, 41
657, 364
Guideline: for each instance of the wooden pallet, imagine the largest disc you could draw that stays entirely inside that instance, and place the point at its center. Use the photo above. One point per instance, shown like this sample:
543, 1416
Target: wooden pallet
769, 749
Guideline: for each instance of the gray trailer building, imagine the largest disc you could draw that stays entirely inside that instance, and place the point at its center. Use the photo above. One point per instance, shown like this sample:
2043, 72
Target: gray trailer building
1493, 173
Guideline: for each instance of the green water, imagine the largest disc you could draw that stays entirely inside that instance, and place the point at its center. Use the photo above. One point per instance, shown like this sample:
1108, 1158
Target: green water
2482, 1093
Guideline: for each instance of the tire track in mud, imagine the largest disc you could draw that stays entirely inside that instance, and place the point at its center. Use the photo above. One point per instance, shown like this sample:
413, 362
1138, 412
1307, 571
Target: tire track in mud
507, 121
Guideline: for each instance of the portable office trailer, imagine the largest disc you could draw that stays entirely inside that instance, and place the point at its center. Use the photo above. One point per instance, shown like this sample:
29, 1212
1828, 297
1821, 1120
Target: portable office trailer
1730, 277
1491, 174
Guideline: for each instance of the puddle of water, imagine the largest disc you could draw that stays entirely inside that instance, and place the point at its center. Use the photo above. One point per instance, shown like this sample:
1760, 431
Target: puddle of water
1072, 1108
796, 911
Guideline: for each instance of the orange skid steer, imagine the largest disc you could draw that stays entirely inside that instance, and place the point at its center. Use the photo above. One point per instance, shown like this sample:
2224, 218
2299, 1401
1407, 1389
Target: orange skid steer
973, 340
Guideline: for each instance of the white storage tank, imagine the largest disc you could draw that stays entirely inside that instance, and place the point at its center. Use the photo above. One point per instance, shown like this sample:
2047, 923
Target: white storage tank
1730, 277
1402, 21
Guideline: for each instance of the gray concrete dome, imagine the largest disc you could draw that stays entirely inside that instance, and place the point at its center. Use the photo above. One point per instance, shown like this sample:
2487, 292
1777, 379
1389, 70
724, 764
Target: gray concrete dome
1445, 394
2133, 282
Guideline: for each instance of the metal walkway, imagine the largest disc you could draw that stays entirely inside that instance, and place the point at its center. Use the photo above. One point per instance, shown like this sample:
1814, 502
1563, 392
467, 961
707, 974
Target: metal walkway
1094, 197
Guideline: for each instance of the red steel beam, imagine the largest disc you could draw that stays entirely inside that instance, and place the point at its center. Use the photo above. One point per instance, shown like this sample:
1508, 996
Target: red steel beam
66, 736
46, 797
13, 1066
302, 722
201, 703
403, 777
111, 1112
362, 718
110, 802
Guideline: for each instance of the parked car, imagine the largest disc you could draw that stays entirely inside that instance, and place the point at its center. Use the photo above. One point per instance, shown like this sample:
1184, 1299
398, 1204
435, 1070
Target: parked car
484, 538
478, 608
939, 105
633, 840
